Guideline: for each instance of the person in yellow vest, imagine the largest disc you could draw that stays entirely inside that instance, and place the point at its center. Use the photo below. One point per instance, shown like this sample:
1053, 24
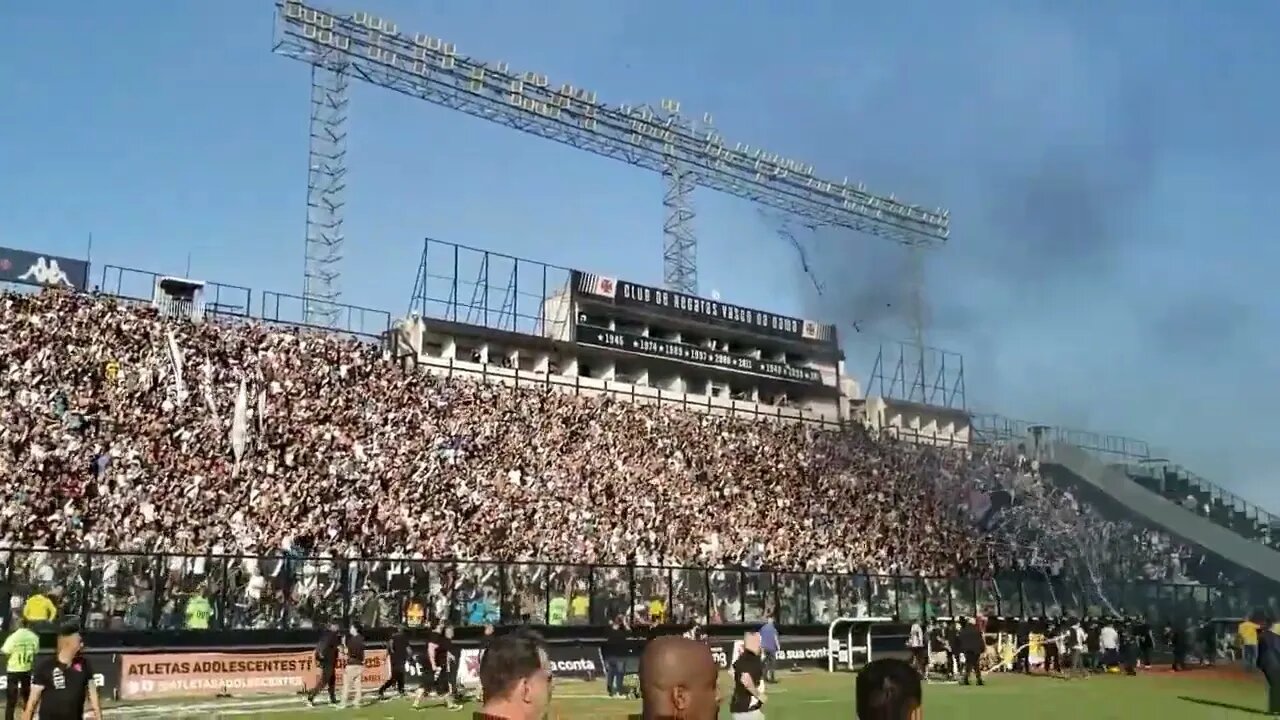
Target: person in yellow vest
1035, 650
657, 610
415, 614
20, 654
39, 609
1247, 632
1008, 651
580, 608
198, 612
557, 610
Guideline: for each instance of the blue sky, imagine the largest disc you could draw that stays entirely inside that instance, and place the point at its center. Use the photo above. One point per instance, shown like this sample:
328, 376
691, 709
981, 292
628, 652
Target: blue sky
1109, 173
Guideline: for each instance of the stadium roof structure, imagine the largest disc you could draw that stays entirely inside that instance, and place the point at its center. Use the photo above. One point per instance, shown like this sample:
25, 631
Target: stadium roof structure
360, 46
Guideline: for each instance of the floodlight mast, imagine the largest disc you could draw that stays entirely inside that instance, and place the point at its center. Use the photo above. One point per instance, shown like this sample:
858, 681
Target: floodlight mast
661, 140
326, 186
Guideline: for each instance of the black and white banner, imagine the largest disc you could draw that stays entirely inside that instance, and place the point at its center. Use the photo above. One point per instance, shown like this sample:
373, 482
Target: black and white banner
28, 268
626, 342
622, 294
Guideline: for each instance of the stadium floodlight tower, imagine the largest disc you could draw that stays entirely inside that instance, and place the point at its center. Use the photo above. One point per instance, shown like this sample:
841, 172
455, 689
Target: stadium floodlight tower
688, 154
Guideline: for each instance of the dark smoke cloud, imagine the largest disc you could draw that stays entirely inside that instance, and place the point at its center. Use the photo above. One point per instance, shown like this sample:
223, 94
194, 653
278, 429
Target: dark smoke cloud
1037, 213
1051, 145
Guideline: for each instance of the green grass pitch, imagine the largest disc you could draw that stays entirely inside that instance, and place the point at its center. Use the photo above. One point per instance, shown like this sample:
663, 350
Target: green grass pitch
816, 695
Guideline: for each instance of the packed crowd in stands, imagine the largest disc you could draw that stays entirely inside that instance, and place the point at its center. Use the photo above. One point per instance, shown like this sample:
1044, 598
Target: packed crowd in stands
126, 431
1050, 530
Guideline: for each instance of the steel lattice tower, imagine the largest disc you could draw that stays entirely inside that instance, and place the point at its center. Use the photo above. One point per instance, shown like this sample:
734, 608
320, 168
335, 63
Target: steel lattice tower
679, 246
373, 50
326, 192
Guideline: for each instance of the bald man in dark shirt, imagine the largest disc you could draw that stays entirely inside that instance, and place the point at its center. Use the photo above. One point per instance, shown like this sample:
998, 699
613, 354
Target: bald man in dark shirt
678, 678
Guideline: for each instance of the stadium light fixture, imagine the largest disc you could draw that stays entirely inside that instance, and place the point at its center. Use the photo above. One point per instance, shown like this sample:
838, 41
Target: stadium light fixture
374, 50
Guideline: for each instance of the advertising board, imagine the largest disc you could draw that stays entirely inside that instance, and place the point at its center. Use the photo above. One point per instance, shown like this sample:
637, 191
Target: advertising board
794, 653
165, 675
583, 662
28, 268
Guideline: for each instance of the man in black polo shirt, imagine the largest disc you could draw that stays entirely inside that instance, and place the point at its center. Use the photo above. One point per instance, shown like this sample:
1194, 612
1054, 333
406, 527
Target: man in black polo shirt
61, 683
327, 664
972, 645
397, 656
617, 647
438, 671
747, 702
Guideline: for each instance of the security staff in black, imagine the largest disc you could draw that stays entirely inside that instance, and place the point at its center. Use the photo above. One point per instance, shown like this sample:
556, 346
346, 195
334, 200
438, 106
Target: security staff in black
438, 668
1092, 645
446, 664
616, 648
972, 645
398, 656
1023, 663
1179, 643
952, 639
747, 701
1209, 641
326, 658
1052, 658
1146, 642
61, 684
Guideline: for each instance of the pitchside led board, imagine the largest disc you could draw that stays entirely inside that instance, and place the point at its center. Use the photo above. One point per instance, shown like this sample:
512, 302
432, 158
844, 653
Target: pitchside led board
623, 294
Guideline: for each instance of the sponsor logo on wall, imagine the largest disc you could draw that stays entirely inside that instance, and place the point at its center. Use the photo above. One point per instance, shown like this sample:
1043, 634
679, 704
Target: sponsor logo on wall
576, 661
570, 661
162, 675
795, 652
804, 653
28, 268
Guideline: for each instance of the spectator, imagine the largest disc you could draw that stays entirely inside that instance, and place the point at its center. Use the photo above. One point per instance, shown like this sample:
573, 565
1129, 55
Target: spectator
260, 456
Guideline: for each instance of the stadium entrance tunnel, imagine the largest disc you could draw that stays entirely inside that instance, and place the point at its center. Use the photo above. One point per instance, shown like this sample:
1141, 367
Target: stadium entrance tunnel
849, 638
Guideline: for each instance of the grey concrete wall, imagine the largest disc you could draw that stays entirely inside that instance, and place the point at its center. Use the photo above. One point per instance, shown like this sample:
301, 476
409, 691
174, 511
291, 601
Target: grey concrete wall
1160, 512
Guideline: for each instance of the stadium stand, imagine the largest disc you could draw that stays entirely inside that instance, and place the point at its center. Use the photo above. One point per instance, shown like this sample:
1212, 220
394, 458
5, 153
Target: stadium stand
1197, 495
127, 432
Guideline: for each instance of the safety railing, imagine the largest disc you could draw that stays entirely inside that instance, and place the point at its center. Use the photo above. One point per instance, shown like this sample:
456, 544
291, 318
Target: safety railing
122, 591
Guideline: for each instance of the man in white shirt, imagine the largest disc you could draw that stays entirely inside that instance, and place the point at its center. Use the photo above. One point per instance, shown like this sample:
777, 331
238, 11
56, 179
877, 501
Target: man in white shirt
1109, 641
915, 643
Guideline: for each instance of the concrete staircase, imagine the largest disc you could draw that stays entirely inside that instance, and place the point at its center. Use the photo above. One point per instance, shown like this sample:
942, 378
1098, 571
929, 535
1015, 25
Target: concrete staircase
1160, 512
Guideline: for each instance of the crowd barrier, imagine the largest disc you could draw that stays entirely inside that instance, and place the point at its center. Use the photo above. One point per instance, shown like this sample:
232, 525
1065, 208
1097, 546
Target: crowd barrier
124, 592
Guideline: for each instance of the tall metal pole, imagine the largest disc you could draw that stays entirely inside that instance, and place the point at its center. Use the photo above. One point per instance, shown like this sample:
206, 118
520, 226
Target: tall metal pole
917, 314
